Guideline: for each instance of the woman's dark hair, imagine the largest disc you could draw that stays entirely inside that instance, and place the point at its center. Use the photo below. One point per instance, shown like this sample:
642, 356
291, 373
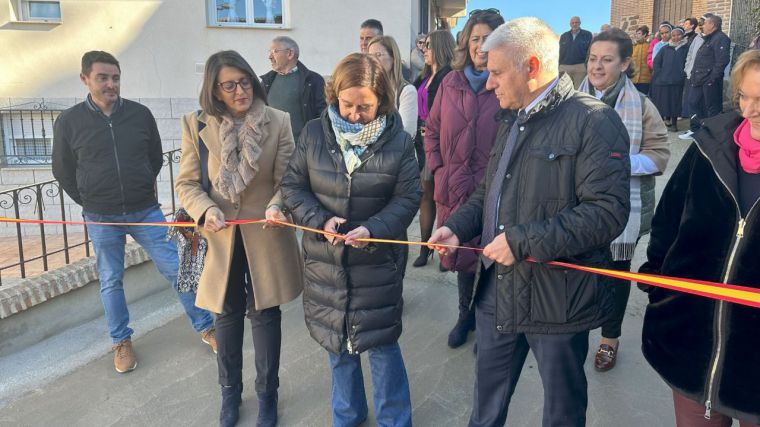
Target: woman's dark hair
442, 45
462, 53
623, 42
208, 100
362, 70
643, 29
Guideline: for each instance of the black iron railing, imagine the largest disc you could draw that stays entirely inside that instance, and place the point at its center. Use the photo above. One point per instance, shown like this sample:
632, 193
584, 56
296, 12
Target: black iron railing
46, 201
26, 131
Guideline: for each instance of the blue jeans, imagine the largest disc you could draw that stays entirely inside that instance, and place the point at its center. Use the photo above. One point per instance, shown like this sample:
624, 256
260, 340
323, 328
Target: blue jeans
393, 405
109, 241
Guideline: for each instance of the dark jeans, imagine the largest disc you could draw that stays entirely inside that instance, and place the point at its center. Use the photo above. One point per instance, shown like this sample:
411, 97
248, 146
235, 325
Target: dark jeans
690, 413
265, 326
500, 359
705, 101
621, 290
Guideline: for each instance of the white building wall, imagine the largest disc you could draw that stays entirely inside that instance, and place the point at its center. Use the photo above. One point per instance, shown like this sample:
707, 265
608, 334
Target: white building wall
159, 43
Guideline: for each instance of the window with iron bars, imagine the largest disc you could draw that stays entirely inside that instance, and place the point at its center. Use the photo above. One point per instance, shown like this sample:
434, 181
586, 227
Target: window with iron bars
27, 136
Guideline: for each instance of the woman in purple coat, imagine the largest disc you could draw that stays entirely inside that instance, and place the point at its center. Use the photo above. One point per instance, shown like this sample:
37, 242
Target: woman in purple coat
461, 130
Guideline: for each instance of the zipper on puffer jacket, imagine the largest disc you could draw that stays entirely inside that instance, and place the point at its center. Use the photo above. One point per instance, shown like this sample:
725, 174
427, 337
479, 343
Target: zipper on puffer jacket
351, 329
720, 306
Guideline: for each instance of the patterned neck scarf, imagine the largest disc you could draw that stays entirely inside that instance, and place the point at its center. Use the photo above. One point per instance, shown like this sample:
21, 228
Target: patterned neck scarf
354, 138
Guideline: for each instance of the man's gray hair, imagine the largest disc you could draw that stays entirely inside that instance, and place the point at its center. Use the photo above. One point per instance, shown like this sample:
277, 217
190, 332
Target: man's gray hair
288, 43
532, 37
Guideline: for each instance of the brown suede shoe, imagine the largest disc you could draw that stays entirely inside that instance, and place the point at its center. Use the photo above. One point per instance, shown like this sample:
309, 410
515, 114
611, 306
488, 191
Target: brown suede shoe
606, 357
209, 337
124, 359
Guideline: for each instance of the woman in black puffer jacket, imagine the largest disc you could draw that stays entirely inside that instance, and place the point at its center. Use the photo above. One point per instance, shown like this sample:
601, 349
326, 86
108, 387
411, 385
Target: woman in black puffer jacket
354, 172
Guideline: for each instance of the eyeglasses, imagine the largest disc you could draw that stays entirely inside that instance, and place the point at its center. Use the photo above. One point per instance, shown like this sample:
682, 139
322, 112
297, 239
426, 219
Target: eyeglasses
273, 51
428, 45
489, 10
231, 85
421, 42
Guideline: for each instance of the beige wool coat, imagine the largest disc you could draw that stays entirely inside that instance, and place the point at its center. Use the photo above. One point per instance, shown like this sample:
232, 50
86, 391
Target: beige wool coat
274, 258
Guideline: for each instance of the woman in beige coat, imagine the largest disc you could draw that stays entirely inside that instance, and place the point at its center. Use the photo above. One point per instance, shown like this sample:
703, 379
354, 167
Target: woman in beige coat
249, 268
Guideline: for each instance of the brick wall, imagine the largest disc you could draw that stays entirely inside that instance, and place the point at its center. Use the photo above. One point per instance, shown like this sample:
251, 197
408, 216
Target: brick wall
167, 112
630, 14
721, 8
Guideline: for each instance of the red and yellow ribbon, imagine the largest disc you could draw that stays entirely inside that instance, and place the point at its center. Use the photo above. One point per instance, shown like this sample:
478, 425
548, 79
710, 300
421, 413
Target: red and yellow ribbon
724, 292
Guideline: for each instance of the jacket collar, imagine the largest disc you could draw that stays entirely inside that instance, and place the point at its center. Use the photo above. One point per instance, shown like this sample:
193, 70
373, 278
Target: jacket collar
393, 126
94, 108
459, 82
563, 90
715, 140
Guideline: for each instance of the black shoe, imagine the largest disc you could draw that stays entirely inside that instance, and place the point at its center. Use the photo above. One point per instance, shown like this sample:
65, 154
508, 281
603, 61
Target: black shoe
458, 334
267, 409
422, 260
231, 398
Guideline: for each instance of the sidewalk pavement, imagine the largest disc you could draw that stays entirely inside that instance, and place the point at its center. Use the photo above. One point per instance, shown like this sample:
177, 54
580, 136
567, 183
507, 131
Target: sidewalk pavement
70, 381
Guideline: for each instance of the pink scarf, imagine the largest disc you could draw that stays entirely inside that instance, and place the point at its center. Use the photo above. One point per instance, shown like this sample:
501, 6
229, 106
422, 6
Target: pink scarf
749, 148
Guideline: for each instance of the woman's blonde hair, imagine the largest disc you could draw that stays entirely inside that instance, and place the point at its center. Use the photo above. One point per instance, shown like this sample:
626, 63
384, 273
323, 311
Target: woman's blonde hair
389, 43
361, 70
749, 60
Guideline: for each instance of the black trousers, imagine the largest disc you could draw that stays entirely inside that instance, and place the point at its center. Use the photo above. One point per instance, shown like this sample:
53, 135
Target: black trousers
500, 358
621, 290
265, 326
705, 101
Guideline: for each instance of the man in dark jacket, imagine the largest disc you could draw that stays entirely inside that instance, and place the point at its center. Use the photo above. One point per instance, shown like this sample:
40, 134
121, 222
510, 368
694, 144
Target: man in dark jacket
573, 50
106, 156
291, 87
556, 188
706, 92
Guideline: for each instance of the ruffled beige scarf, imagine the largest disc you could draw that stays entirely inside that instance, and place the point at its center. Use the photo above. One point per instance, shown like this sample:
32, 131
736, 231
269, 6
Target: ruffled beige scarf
240, 152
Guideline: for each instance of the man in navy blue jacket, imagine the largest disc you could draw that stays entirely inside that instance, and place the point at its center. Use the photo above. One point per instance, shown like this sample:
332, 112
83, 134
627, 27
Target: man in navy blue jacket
573, 49
706, 93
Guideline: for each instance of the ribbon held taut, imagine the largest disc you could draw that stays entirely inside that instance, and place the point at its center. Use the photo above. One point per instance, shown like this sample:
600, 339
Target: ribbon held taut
724, 292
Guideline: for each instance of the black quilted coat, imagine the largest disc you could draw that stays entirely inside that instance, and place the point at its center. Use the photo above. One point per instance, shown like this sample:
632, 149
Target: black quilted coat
565, 197
352, 297
706, 350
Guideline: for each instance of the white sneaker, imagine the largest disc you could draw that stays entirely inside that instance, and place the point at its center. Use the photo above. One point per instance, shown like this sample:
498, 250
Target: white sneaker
686, 135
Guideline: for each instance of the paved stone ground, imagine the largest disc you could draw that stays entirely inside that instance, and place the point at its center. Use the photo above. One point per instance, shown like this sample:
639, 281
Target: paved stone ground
175, 383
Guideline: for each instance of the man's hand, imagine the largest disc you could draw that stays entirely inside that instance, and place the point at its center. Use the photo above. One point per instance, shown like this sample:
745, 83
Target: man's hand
331, 226
499, 250
444, 236
214, 220
273, 213
360, 232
